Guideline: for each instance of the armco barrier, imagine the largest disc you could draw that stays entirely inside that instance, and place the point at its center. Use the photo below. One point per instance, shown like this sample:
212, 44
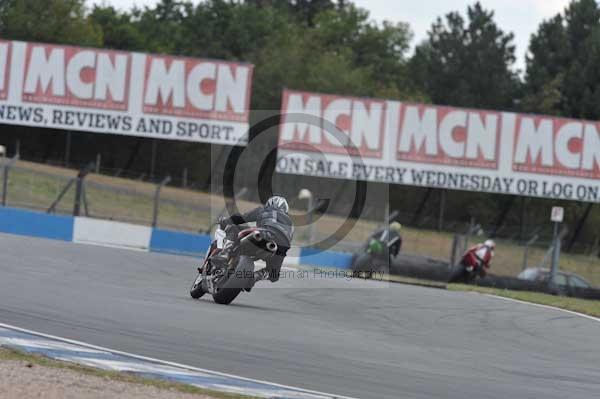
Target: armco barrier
36, 224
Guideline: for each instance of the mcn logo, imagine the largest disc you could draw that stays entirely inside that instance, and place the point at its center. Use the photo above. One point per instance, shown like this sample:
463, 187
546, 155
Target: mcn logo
557, 146
361, 122
5, 50
197, 88
76, 76
450, 136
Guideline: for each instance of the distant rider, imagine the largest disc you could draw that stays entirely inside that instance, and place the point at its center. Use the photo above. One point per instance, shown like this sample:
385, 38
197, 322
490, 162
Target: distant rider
480, 255
389, 236
272, 217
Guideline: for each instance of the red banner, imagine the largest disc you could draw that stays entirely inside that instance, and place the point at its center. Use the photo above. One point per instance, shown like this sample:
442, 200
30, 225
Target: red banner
360, 124
557, 146
435, 146
197, 88
118, 92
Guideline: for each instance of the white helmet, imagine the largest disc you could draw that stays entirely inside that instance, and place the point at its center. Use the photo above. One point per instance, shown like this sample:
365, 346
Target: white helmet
490, 244
278, 203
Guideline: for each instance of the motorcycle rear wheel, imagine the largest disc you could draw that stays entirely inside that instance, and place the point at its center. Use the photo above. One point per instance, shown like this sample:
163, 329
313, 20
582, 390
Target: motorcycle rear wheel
235, 283
226, 295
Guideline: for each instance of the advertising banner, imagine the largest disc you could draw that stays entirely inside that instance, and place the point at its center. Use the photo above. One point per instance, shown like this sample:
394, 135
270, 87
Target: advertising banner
115, 92
441, 147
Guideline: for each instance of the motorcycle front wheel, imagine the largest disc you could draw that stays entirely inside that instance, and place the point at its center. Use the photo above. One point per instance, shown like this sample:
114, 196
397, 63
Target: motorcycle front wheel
197, 291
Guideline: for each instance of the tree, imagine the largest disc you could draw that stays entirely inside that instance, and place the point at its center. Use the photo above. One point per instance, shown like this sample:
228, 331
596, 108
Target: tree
119, 31
467, 63
545, 63
381, 50
55, 21
562, 65
164, 26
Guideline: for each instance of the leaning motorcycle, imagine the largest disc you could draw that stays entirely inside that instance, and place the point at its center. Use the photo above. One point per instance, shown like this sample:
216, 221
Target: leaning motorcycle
374, 259
225, 279
469, 269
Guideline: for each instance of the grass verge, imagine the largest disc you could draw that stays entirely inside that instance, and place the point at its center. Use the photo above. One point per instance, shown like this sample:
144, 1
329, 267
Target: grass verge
589, 307
9, 354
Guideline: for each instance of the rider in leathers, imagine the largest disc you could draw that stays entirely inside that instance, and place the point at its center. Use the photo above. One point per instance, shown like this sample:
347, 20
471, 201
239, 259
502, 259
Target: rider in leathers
480, 256
274, 218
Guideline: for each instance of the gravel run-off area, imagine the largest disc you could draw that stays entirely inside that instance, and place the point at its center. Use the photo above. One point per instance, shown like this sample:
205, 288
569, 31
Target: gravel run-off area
21, 379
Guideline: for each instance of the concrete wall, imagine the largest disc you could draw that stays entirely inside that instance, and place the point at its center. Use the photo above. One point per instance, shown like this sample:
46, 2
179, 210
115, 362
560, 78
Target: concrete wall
111, 234
35, 224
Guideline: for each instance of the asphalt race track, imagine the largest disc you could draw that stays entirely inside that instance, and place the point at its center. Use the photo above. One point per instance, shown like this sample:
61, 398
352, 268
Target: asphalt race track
354, 338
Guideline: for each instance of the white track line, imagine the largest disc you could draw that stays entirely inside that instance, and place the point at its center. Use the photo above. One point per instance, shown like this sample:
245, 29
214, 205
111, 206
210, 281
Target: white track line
539, 305
163, 362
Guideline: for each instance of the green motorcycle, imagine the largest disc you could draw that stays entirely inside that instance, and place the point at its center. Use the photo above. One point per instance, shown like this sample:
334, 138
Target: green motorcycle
375, 259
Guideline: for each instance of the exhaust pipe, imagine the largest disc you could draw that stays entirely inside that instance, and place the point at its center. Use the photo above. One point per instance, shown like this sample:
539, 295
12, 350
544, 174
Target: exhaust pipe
257, 236
271, 246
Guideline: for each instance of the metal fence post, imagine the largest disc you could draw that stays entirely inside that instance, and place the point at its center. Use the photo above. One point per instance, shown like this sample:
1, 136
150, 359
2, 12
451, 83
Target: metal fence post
159, 186
98, 161
153, 158
79, 188
68, 149
528, 244
555, 255
558, 237
471, 229
440, 225
454, 253
4, 184
6, 170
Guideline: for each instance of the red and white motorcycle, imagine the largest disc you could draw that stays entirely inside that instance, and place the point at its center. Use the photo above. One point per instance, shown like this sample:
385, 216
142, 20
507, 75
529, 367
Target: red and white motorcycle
474, 264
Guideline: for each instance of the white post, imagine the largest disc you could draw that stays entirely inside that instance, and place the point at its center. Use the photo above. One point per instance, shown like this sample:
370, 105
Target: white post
558, 215
308, 195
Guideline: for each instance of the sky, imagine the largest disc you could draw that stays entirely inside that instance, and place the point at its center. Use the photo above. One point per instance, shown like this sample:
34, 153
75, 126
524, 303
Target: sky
521, 17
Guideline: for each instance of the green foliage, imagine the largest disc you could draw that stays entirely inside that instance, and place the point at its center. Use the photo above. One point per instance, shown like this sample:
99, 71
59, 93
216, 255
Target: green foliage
307, 45
562, 67
119, 31
54, 21
467, 62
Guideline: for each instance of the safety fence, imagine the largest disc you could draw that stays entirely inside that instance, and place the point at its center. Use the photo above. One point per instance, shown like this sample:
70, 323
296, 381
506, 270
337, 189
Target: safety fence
63, 191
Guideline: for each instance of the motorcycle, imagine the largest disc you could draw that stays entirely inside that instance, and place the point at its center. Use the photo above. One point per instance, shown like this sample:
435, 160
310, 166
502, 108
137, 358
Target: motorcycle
469, 269
226, 279
375, 258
